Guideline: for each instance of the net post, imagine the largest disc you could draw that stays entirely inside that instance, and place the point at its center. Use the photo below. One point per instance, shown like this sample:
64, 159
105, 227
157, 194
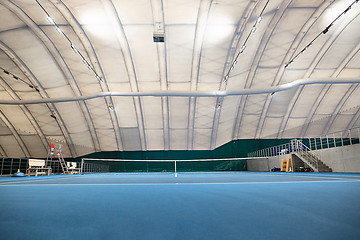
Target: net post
82, 167
175, 168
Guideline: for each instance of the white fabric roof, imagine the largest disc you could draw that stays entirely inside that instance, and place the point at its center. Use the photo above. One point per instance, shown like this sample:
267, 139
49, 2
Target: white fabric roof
202, 40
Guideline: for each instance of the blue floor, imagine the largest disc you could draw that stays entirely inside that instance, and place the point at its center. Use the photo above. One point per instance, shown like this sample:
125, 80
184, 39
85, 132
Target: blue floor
234, 205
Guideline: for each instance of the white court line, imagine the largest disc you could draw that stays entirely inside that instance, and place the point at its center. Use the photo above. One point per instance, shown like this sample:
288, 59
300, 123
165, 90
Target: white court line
148, 184
313, 176
39, 180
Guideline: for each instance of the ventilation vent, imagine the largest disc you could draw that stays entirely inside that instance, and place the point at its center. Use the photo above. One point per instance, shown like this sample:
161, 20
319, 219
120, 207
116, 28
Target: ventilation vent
158, 37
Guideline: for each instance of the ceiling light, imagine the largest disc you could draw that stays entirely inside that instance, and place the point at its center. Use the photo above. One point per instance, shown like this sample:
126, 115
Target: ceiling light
259, 20
51, 20
242, 49
74, 48
99, 78
59, 30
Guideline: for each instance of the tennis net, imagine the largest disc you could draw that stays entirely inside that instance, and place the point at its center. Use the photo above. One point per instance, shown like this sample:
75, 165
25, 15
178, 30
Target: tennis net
171, 166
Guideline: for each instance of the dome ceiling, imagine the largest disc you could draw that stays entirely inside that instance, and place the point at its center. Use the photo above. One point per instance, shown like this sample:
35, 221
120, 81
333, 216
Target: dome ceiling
119, 75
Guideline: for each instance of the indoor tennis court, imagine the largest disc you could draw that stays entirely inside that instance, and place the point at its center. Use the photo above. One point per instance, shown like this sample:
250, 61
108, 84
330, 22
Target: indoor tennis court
233, 205
179, 119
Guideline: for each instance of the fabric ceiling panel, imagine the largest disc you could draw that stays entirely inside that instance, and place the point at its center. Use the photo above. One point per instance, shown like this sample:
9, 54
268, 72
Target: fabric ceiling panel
42, 115
179, 111
152, 112
204, 115
202, 40
248, 126
9, 20
83, 142
179, 51
332, 99
317, 126
353, 103
18, 119
125, 108
226, 121
152, 139
71, 114
201, 139
144, 52
341, 122
130, 139
280, 103
107, 138
34, 145
174, 11
11, 146
290, 23
43, 66
271, 126
303, 106
178, 139
293, 128
141, 16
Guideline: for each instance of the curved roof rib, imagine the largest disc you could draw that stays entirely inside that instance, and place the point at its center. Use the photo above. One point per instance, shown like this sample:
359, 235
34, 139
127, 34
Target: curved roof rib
255, 63
120, 34
313, 65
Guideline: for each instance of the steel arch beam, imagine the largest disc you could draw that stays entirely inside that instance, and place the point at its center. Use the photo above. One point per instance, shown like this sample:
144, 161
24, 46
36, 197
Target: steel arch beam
15, 134
203, 13
196, 94
313, 65
291, 51
325, 90
110, 8
81, 35
238, 33
26, 71
158, 18
255, 63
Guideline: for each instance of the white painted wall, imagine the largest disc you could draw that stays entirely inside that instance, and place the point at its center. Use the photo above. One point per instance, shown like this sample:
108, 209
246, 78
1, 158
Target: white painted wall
340, 159
262, 164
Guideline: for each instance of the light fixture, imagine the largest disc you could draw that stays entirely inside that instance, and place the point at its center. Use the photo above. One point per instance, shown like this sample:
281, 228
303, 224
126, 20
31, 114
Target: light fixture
99, 78
59, 30
50, 20
322, 32
19, 79
111, 108
242, 49
74, 48
218, 105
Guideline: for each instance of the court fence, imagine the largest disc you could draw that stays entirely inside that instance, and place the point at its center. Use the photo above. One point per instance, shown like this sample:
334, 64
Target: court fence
9, 166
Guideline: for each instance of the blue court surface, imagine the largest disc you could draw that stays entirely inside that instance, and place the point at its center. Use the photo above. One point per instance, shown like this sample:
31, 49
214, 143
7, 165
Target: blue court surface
231, 205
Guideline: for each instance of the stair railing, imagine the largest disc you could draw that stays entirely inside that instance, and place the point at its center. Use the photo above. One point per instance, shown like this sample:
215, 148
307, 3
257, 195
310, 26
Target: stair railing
305, 152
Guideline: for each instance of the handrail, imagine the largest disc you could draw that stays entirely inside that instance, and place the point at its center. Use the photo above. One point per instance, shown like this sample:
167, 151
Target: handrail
335, 139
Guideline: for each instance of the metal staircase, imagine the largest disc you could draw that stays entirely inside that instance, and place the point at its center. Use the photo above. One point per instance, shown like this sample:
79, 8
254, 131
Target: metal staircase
307, 156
